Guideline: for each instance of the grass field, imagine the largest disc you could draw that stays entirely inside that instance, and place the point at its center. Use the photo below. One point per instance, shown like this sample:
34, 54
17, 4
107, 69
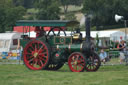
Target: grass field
20, 75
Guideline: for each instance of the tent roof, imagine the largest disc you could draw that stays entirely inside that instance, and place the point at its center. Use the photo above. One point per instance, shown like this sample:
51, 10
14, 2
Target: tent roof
47, 23
5, 36
101, 34
104, 33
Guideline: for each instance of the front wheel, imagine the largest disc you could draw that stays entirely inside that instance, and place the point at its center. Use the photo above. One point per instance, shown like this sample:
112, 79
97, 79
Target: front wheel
76, 62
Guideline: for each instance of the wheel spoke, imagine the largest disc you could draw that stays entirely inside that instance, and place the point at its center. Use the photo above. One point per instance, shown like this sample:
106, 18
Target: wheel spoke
75, 67
81, 66
41, 63
79, 61
31, 46
35, 48
36, 61
28, 53
73, 58
31, 60
42, 54
42, 50
72, 64
30, 50
42, 58
38, 46
77, 56
88, 66
94, 66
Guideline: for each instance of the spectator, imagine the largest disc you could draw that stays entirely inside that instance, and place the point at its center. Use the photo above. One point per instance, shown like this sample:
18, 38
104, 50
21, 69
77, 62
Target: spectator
126, 53
19, 51
103, 56
121, 49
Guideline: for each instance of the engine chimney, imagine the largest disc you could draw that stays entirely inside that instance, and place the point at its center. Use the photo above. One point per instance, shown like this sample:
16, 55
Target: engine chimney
87, 44
87, 28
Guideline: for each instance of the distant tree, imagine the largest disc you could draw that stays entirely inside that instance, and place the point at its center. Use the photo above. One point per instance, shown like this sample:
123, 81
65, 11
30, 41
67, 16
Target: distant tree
25, 3
76, 2
29, 3
103, 11
94, 7
66, 3
9, 14
70, 16
18, 2
48, 10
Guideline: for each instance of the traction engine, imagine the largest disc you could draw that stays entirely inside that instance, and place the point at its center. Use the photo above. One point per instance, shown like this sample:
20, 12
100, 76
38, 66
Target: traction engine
54, 48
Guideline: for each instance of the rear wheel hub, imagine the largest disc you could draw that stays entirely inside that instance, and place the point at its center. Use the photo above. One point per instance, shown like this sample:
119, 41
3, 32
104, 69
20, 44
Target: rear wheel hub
35, 54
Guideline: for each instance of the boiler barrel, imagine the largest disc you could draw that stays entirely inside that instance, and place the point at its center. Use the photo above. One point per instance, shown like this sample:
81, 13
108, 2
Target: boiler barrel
70, 47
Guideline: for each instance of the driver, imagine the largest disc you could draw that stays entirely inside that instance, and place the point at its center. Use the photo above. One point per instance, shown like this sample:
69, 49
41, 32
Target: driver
39, 31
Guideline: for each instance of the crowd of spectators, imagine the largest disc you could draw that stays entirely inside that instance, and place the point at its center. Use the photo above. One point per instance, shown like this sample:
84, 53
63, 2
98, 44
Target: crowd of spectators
123, 53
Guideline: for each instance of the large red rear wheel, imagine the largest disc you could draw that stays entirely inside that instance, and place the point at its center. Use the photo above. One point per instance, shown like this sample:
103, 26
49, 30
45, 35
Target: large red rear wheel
93, 62
76, 62
36, 55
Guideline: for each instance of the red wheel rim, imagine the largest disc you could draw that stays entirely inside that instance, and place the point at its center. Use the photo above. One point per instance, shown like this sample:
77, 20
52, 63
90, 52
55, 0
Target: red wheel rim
76, 62
92, 63
36, 55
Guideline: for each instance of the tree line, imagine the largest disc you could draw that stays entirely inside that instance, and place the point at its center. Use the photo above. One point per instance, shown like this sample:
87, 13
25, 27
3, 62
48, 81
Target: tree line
103, 11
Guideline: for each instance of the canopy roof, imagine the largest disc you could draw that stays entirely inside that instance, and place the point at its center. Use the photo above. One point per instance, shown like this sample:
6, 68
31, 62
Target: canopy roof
6, 36
46, 23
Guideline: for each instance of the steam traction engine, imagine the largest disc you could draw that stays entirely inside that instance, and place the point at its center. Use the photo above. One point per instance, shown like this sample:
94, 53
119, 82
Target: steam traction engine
50, 50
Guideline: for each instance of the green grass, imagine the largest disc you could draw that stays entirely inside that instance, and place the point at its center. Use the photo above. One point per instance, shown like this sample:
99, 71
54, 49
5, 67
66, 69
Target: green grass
20, 75
114, 61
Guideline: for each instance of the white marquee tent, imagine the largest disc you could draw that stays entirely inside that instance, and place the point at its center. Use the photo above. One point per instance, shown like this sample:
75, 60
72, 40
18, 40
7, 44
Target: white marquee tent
113, 35
109, 34
9, 41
